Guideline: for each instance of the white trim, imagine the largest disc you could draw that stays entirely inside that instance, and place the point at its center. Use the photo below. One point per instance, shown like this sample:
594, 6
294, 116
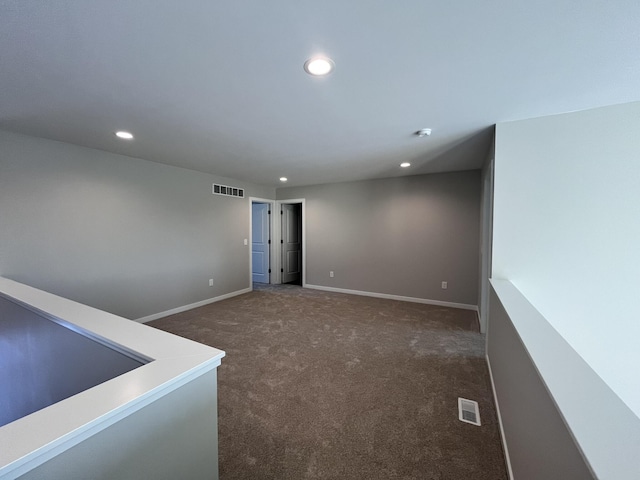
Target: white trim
486, 243
272, 246
278, 232
401, 298
507, 459
277, 251
184, 308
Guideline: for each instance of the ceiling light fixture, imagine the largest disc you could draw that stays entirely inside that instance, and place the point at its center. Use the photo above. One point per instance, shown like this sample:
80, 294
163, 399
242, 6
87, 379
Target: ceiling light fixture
319, 66
124, 135
283, 179
405, 164
425, 132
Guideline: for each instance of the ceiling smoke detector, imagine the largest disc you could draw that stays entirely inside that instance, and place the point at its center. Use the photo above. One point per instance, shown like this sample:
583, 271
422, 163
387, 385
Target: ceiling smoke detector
425, 132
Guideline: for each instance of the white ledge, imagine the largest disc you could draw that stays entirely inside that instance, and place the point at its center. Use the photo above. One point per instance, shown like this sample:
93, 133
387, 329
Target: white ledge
34, 439
605, 429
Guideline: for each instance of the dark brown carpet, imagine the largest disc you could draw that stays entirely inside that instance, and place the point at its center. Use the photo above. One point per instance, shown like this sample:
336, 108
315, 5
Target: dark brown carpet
319, 385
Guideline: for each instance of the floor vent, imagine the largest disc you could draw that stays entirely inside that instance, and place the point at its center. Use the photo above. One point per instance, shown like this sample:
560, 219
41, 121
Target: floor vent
227, 191
468, 411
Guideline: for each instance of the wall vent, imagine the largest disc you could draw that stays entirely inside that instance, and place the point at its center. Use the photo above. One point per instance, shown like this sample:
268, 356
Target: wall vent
468, 411
227, 191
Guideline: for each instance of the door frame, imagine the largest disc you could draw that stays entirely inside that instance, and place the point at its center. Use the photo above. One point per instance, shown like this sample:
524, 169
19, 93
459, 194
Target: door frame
486, 244
277, 236
272, 249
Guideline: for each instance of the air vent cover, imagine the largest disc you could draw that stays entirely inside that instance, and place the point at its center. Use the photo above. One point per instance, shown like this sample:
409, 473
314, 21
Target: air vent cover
468, 411
227, 191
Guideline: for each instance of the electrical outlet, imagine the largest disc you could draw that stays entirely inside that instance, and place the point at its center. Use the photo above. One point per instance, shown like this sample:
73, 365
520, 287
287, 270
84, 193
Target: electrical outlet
444, 285
246, 242
211, 282
331, 273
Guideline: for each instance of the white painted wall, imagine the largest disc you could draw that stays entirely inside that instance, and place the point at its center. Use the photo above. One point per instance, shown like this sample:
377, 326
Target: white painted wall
174, 437
567, 231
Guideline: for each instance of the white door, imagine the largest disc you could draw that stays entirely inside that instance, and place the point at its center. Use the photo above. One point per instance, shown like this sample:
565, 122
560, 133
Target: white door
291, 243
260, 242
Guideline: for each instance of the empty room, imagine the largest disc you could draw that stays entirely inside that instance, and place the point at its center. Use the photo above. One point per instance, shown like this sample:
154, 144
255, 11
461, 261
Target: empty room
319, 240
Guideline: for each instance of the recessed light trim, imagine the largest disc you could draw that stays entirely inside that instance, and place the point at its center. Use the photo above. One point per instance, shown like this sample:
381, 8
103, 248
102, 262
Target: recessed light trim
405, 164
124, 135
319, 66
283, 179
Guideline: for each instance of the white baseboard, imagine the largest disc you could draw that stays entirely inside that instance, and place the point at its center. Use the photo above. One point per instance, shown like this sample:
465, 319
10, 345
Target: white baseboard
504, 439
184, 308
394, 297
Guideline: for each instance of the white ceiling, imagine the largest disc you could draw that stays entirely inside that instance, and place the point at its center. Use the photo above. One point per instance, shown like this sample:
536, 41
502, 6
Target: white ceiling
219, 86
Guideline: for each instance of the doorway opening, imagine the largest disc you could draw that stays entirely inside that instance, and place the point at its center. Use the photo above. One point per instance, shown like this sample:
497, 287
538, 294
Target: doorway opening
261, 229
291, 243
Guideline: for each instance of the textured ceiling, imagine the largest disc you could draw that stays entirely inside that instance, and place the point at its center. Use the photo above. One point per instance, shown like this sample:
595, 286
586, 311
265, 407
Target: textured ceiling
219, 86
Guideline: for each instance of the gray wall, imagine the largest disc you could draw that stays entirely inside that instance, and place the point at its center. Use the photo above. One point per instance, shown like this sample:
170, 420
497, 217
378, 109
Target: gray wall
174, 437
539, 443
399, 236
121, 234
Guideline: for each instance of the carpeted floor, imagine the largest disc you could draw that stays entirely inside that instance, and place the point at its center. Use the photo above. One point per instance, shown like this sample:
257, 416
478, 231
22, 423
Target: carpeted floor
319, 385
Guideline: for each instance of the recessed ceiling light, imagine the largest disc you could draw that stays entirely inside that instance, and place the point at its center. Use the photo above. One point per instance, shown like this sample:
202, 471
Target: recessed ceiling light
319, 66
124, 135
283, 179
405, 164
